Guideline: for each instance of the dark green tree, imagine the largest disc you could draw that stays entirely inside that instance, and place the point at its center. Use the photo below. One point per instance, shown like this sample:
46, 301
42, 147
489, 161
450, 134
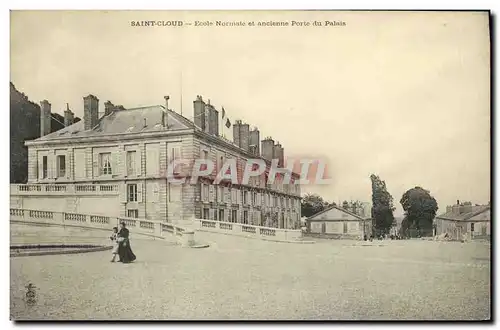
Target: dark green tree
24, 126
312, 204
382, 206
420, 209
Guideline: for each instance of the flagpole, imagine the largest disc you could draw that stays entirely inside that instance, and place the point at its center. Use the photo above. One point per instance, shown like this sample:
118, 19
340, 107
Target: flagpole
181, 91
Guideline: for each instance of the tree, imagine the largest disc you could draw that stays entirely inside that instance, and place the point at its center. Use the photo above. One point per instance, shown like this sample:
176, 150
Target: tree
312, 204
382, 206
420, 209
25, 125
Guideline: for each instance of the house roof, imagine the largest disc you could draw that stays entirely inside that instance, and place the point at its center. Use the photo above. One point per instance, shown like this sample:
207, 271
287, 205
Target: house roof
476, 209
338, 208
125, 121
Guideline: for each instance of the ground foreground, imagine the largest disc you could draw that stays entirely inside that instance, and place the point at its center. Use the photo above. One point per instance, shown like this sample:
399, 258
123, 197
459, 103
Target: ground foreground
242, 279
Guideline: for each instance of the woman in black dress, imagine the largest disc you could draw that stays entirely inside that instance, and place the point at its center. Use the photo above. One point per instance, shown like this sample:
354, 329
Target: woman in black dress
124, 249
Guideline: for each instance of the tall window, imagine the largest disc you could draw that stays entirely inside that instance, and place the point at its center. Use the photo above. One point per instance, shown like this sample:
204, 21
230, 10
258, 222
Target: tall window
204, 155
204, 192
245, 217
105, 163
220, 194
221, 215
472, 226
133, 213
61, 166
44, 167
245, 197
131, 159
254, 198
132, 192
206, 213
234, 196
234, 216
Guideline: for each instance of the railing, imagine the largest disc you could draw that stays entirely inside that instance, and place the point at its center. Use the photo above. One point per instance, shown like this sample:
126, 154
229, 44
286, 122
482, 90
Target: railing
99, 219
140, 226
246, 230
75, 217
64, 189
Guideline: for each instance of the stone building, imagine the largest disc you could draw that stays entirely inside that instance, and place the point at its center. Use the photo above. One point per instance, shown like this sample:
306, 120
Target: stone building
464, 218
116, 165
338, 222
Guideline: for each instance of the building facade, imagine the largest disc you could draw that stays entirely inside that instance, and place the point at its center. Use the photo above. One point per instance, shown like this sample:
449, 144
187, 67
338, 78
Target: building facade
131, 148
337, 222
461, 219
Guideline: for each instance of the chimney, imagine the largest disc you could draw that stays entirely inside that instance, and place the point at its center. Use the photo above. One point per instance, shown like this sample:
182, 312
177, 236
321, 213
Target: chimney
90, 111
241, 135
458, 202
236, 132
268, 148
164, 114
199, 112
69, 116
45, 117
255, 142
213, 120
245, 137
466, 207
108, 108
279, 154
455, 209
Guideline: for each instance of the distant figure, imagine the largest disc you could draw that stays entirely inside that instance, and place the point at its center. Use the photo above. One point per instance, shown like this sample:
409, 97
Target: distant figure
124, 248
114, 238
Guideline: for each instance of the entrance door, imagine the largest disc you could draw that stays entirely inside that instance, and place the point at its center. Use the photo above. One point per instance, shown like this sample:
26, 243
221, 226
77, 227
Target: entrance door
323, 228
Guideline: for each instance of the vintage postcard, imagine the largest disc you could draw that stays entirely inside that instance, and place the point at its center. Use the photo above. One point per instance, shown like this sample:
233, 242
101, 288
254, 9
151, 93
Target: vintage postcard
250, 165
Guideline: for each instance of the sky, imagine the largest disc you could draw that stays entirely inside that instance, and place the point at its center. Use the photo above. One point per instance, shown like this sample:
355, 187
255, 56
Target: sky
404, 95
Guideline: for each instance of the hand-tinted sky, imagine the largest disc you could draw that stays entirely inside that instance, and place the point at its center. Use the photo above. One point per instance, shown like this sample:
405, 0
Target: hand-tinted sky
402, 95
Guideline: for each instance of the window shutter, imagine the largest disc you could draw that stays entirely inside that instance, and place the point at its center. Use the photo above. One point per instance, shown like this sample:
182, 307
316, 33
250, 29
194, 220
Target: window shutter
138, 167
95, 164
139, 192
123, 193
40, 166
50, 157
68, 170
114, 162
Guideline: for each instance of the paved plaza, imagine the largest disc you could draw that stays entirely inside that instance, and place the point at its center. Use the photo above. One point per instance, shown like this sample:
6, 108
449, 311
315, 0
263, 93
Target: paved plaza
240, 279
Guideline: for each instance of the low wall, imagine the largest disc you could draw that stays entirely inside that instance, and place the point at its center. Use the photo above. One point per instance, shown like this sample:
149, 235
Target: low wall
99, 222
102, 199
239, 229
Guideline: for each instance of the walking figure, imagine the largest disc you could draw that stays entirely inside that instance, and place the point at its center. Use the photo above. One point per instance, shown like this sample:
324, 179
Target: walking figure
31, 294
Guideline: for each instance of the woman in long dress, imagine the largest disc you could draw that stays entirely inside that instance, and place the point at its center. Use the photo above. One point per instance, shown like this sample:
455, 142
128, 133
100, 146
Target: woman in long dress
124, 249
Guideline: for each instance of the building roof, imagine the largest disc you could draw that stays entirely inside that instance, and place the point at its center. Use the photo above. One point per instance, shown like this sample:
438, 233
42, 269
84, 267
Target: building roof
476, 209
132, 121
125, 121
338, 208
